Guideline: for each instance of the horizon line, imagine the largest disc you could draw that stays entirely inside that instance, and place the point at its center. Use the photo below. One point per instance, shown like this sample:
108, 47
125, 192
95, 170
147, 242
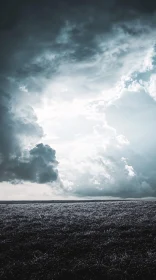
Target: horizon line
25, 201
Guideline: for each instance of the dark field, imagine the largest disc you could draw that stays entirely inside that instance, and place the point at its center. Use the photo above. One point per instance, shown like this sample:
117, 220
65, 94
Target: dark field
85, 240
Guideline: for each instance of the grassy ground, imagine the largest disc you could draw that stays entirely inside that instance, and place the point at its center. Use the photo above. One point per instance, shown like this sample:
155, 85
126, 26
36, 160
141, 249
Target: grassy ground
94, 240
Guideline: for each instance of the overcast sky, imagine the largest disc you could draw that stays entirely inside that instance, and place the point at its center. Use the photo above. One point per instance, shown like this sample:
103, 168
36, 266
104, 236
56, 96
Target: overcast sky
77, 99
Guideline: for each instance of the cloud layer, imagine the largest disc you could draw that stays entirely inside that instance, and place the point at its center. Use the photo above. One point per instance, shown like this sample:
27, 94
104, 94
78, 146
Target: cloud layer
79, 76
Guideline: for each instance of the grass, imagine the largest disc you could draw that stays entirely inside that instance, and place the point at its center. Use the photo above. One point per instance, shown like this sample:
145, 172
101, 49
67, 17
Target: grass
87, 240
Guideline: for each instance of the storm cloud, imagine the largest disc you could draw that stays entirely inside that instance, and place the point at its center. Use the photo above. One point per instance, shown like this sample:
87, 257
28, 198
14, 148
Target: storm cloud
38, 165
17, 161
71, 54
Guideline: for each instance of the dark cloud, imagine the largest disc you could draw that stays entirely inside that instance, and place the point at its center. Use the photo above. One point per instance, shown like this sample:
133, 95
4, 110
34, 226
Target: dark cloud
13, 124
138, 5
16, 162
28, 31
38, 165
29, 28
18, 130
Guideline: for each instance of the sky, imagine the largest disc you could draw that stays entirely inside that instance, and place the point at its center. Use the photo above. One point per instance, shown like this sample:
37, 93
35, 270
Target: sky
77, 99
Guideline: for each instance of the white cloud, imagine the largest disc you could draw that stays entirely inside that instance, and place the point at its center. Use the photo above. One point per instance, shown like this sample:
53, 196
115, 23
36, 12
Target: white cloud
122, 140
130, 170
151, 86
97, 111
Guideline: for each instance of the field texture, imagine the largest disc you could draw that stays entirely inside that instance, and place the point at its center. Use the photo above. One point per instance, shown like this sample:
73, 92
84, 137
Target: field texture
92, 240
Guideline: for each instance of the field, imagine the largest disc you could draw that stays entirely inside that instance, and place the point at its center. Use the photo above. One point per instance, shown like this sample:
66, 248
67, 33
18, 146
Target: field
85, 240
